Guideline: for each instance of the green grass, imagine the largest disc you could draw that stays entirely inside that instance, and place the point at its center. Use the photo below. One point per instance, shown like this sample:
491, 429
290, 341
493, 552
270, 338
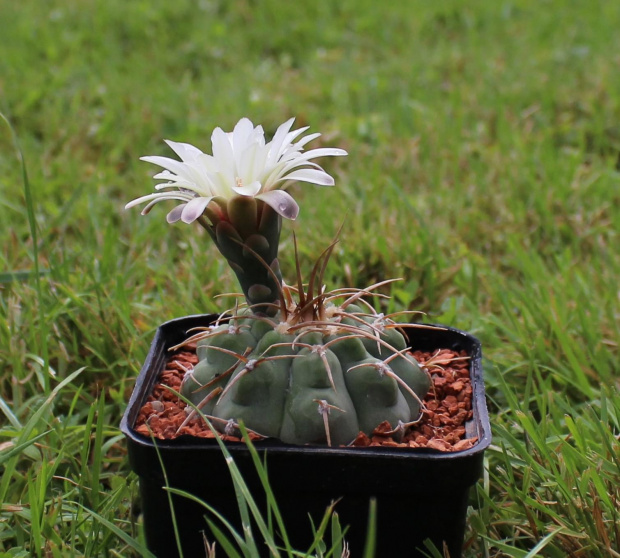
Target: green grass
484, 142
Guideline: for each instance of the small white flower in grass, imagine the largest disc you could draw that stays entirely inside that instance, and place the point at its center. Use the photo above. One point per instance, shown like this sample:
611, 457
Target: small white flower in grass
242, 164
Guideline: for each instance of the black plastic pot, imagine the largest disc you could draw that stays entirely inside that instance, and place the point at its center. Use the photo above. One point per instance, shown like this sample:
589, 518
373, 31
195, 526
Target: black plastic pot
420, 493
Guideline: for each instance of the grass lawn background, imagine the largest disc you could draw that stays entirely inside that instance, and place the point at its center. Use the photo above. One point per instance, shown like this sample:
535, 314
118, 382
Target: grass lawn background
483, 168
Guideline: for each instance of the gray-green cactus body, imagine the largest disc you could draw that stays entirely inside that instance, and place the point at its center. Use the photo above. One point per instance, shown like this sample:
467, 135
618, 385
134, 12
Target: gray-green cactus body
319, 385
318, 393
247, 232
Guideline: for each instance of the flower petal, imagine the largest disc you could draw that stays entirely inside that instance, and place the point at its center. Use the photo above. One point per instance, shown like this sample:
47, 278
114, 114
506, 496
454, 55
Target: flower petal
242, 134
245, 163
223, 152
249, 190
182, 172
311, 175
147, 208
175, 214
323, 152
307, 139
208, 162
299, 159
181, 183
172, 165
194, 209
160, 196
282, 202
294, 134
186, 151
277, 143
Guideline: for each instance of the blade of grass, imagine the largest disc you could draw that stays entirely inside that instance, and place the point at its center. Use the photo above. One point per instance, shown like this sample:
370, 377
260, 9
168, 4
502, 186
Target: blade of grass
42, 324
175, 526
261, 469
337, 536
8, 413
30, 426
238, 538
227, 547
319, 534
97, 455
144, 552
371, 533
7, 454
245, 500
544, 542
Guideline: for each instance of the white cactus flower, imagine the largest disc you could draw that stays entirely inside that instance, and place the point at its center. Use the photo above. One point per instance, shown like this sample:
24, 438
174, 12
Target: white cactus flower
242, 164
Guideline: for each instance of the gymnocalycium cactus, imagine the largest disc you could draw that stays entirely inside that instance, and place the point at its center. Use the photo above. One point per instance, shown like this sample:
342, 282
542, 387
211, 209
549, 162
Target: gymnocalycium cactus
296, 363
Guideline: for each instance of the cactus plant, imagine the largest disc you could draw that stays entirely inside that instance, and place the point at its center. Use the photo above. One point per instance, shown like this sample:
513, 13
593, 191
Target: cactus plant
297, 363
321, 370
